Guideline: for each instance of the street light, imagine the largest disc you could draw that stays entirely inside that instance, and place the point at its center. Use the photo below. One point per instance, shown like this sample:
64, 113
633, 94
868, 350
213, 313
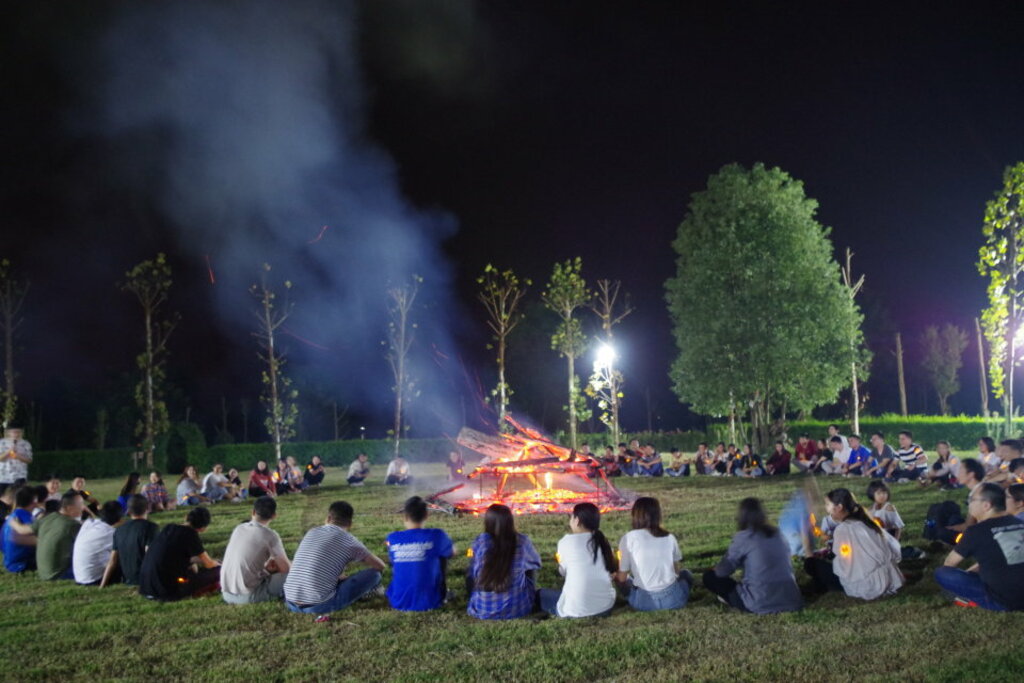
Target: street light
605, 357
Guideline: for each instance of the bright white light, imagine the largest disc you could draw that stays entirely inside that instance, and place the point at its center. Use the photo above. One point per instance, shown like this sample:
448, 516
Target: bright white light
605, 357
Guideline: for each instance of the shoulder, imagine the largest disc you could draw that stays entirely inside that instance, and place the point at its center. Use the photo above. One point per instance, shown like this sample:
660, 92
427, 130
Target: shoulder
889, 507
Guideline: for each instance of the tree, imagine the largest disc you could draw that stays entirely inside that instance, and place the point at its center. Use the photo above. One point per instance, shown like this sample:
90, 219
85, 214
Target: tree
607, 381
943, 357
760, 314
1001, 260
12, 296
401, 333
861, 356
278, 397
565, 293
150, 282
501, 293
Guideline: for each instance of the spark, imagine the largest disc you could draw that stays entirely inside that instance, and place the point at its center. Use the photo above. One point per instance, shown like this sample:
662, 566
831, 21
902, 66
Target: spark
319, 237
209, 270
291, 334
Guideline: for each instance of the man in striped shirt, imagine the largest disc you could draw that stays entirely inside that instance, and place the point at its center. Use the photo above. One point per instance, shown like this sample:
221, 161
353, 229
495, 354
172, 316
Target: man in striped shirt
911, 457
316, 583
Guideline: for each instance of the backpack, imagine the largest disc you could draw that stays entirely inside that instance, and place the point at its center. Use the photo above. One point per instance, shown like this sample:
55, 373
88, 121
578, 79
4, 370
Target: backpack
940, 516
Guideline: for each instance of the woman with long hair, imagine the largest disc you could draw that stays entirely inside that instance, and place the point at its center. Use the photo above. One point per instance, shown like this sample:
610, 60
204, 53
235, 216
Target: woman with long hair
189, 488
261, 481
500, 578
129, 489
586, 560
866, 558
156, 493
649, 559
768, 585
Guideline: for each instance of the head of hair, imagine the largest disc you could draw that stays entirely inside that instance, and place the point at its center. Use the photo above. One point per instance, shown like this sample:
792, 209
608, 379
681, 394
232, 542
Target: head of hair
1014, 445
990, 443
804, 436
1016, 464
835, 439
198, 518
42, 493
880, 435
25, 497
265, 507
943, 442
111, 512
262, 470
1016, 491
853, 509
907, 433
703, 443
415, 509
589, 517
751, 516
876, 486
974, 467
992, 494
51, 506
853, 436
646, 514
833, 426
496, 569
130, 484
68, 499
720, 443
184, 473
138, 505
340, 513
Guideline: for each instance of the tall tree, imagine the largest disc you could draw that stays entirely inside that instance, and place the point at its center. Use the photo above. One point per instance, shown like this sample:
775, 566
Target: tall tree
278, 397
401, 333
900, 375
566, 292
501, 293
607, 381
861, 356
12, 296
1001, 260
942, 360
760, 313
150, 282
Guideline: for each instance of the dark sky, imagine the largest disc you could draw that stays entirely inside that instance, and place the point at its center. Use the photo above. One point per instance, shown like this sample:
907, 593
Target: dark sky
541, 131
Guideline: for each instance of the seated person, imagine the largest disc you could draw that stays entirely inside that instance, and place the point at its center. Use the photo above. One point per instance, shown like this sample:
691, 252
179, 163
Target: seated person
804, 452
859, 459
733, 461
702, 459
883, 457
456, 466
987, 455
316, 583
296, 478
419, 562
129, 489
55, 538
131, 540
91, 504
502, 568
945, 470
779, 461
586, 560
215, 485
610, 463
314, 475
649, 575
912, 459
235, 483
176, 565
156, 494
1015, 501
19, 545
255, 564
680, 467
398, 473
996, 581
359, 470
627, 460
283, 478
261, 481
1007, 451
836, 457
751, 465
973, 473
650, 464
189, 490
94, 543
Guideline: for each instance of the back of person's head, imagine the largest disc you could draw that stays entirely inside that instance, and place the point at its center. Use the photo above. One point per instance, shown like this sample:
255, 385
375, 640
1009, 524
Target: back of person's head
1016, 491
589, 517
1016, 464
853, 509
198, 518
1014, 445
51, 506
111, 512
835, 439
138, 506
496, 570
646, 514
415, 509
265, 508
69, 500
992, 494
876, 486
751, 516
973, 466
25, 497
42, 493
989, 443
340, 513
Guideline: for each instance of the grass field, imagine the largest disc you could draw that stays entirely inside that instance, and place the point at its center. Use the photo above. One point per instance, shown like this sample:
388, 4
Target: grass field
62, 631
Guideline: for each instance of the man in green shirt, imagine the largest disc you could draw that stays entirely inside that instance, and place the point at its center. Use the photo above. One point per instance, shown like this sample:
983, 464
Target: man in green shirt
55, 534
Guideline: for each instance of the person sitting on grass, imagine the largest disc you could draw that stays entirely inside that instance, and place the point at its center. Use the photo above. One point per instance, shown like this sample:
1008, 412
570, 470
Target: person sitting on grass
945, 470
1016, 470
19, 545
261, 481
176, 565
885, 515
1015, 501
702, 459
768, 585
283, 478
750, 464
314, 475
255, 564
973, 476
911, 458
295, 474
586, 560
650, 464
359, 470
610, 462
419, 562
779, 461
836, 456
822, 456
502, 569
131, 540
94, 543
680, 467
316, 583
882, 456
987, 454
627, 460
189, 491
53, 488
156, 493
1007, 451
129, 489
733, 461
215, 485
235, 484
804, 452
398, 472
91, 503
860, 457
866, 558
456, 467
995, 542
649, 575
55, 538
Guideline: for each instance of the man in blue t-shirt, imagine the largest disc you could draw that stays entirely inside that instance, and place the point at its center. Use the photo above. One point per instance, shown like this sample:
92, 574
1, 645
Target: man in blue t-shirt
419, 559
860, 457
20, 548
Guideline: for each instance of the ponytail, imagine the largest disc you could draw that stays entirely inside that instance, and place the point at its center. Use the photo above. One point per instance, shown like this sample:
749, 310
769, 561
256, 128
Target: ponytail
854, 510
589, 518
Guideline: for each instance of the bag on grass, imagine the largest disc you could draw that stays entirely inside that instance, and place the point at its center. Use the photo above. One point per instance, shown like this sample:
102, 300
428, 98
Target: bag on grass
941, 515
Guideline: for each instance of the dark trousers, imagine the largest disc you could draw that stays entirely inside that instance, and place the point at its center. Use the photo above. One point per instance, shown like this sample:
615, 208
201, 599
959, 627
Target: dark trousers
724, 587
314, 479
822, 575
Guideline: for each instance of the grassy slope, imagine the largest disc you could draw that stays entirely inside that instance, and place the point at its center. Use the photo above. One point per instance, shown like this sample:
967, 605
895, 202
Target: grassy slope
62, 630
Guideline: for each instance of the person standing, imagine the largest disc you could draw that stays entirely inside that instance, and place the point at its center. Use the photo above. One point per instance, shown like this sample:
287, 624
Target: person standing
15, 457
255, 564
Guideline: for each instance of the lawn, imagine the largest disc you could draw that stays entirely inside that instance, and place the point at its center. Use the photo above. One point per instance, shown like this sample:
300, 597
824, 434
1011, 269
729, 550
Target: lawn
63, 631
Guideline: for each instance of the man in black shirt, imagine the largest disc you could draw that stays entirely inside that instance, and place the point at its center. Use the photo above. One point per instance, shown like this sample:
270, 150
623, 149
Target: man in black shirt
176, 565
996, 542
130, 543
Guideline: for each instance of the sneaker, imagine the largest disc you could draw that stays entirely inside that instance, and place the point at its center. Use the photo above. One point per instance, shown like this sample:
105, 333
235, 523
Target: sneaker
964, 602
322, 619
376, 592
723, 601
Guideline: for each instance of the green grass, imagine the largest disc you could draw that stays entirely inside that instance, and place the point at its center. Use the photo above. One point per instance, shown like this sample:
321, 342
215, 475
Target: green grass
63, 631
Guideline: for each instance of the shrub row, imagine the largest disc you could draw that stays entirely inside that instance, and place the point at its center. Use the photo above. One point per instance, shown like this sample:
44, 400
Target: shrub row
962, 432
663, 441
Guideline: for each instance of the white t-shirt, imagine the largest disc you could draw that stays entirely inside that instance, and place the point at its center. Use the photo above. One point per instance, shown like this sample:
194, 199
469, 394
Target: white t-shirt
213, 479
889, 518
991, 461
397, 470
92, 549
588, 586
249, 548
650, 559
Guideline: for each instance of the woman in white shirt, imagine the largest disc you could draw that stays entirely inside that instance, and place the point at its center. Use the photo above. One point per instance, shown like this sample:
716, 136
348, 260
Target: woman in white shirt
648, 562
586, 560
866, 557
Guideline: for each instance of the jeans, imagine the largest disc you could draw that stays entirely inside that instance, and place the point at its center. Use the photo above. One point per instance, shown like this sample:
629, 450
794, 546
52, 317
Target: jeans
683, 471
967, 585
215, 493
674, 597
348, 591
724, 587
628, 468
655, 470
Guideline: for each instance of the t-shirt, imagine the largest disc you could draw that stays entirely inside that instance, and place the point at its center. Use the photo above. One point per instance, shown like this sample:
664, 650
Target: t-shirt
397, 469
322, 556
186, 489
212, 480
909, 455
13, 469
358, 469
91, 551
887, 454
997, 545
650, 559
858, 455
888, 517
165, 568
17, 557
55, 534
417, 583
130, 541
588, 588
249, 548
867, 561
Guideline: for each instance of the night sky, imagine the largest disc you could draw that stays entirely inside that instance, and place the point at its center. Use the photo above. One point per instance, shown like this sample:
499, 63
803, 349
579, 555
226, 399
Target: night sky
518, 134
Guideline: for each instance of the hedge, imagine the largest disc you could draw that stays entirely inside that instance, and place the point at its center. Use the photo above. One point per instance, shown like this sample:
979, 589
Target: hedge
664, 442
334, 453
962, 432
91, 464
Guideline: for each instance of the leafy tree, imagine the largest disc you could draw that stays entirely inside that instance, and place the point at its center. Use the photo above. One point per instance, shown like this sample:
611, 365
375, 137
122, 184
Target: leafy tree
565, 293
1001, 260
943, 357
150, 282
401, 333
607, 380
501, 293
759, 310
278, 396
12, 296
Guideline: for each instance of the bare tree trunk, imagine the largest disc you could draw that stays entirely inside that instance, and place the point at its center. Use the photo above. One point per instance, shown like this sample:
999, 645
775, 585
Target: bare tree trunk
982, 369
899, 372
149, 437
572, 400
854, 399
276, 409
502, 393
732, 418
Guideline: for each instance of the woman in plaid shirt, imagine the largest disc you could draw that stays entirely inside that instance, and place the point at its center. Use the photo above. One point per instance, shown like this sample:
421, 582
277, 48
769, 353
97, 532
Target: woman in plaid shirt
501, 571
156, 494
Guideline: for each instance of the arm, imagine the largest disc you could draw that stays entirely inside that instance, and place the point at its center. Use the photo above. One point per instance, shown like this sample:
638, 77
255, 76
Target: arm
374, 562
205, 560
108, 572
953, 559
731, 561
